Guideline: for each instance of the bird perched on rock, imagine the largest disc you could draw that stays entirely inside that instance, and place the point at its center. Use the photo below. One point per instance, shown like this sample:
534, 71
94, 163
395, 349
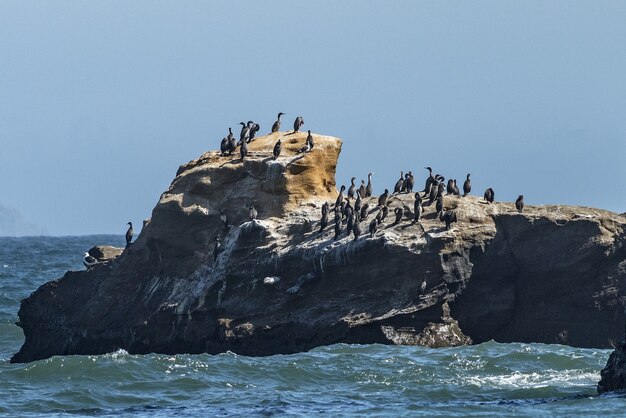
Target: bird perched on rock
254, 128
455, 188
277, 148
373, 227
417, 208
385, 212
351, 219
224, 146
363, 213
409, 182
430, 180
489, 195
223, 218
467, 186
439, 207
89, 261
298, 123
399, 214
352, 188
340, 196
308, 144
243, 150
519, 203
245, 132
382, 199
369, 189
399, 184
276, 125
129, 233
450, 187
252, 212
362, 189
324, 220
449, 218
337, 226
356, 230
309, 140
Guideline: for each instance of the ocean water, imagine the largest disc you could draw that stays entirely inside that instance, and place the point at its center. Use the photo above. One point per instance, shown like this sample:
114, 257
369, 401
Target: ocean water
489, 379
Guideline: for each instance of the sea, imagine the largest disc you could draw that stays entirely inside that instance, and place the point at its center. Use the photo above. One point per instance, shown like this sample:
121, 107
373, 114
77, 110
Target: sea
489, 379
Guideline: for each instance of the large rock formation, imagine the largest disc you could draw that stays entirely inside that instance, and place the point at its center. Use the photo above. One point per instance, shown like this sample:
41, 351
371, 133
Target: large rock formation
551, 274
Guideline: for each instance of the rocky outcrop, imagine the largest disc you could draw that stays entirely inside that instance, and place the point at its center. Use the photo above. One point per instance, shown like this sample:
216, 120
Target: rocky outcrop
278, 285
104, 253
613, 376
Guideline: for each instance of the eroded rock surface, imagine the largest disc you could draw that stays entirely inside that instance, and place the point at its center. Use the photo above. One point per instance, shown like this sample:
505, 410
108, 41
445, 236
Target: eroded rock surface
551, 274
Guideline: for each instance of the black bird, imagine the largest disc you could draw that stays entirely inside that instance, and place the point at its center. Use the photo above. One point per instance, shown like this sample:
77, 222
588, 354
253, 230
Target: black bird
254, 128
232, 144
399, 213
243, 150
409, 182
276, 125
439, 207
362, 189
432, 195
352, 188
369, 189
357, 204
245, 132
218, 248
467, 186
449, 218
230, 134
519, 203
224, 146
309, 140
340, 197
89, 261
373, 227
252, 212
363, 214
298, 123
356, 230
385, 212
325, 208
399, 184
455, 188
277, 149
379, 216
430, 180
129, 233
337, 226
347, 210
417, 208
450, 187
440, 190
382, 199
489, 195
350, 223
324, 220
223, 217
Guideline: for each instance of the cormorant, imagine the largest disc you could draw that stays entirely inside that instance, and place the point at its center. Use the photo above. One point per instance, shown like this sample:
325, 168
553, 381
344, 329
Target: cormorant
385, 213
417, 208
399, 213
89, 261
379, 216
467, 186
449, 218
309, 140
373, 227
254, 128
325, 208
340, 197
232, 144
337, 226
350, 223
455, 188
129, 233
298, 123
440, 189
489, 195
245, 132
450, 187
277, 149
519, 203
363, 213
230, 134
352, 188
409, 182
432, 195
439, 206
362, 190
276, 125
430, 180
382, 199
252, 212
369, 189
324, 220
223, 218
357, 202
399, 184
243, 150
356, 230
224, 146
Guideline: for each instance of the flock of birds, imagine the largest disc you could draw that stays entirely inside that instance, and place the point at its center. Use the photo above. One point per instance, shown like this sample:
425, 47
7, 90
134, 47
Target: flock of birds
346, 213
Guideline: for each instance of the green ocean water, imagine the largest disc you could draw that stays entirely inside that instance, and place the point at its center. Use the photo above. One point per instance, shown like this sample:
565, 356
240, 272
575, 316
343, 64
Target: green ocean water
489, 379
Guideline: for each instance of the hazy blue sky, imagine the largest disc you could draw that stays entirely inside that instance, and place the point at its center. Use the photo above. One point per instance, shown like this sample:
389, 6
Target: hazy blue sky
100, 102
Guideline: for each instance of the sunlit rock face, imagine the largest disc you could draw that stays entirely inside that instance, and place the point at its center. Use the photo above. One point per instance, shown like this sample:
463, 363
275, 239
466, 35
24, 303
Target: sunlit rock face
552, 274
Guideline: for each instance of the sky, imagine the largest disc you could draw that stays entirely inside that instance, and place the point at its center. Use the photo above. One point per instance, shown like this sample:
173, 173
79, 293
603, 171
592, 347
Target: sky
101, 102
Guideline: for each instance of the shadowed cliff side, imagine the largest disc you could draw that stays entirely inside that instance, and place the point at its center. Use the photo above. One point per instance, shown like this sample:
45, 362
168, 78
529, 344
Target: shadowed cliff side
278, 285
